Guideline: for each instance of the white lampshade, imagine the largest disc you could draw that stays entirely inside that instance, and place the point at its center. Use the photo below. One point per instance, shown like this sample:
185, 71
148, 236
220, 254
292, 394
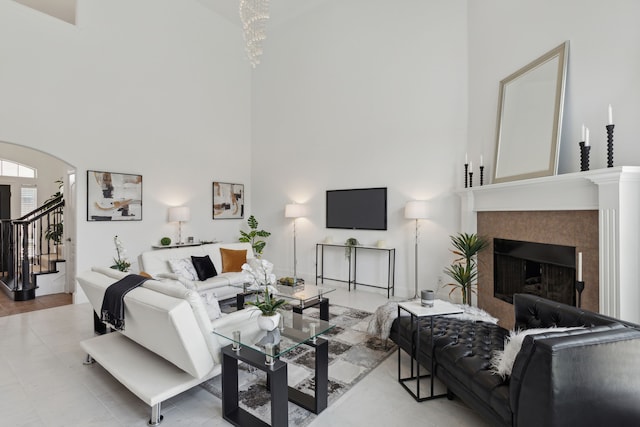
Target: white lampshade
179, 214
294, 210
416, 209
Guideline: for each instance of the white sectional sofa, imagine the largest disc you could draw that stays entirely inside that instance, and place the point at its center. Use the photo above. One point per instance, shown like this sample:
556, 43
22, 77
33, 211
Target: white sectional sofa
156, 263
167, 346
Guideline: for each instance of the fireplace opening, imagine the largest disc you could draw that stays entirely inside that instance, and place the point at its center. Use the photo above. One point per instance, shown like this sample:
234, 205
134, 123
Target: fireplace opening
539, 269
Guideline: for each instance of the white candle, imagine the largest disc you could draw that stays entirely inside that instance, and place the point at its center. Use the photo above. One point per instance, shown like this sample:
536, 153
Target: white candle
481, 160
610, 115
466, 159
579, 266
586, 138
582, 133
470, 166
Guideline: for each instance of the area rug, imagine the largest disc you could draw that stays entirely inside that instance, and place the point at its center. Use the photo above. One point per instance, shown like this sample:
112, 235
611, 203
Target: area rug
352, 355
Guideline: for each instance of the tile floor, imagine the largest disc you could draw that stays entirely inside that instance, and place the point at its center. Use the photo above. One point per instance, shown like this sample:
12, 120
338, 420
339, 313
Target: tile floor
44, 383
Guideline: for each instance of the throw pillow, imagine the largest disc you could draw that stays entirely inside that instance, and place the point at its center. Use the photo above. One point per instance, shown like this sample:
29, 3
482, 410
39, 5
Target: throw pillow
502, 361
145, 274
204, 267
232, 260
183, 267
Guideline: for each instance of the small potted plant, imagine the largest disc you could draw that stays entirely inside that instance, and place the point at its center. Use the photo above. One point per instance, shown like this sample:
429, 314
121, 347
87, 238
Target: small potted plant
350, 243
262, 278
121, 262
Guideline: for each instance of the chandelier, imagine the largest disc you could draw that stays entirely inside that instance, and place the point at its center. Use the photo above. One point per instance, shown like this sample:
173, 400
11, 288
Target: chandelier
254, 15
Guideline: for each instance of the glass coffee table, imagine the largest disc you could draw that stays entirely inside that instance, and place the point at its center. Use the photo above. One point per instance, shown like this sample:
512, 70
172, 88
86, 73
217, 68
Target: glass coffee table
306, 296
262, 350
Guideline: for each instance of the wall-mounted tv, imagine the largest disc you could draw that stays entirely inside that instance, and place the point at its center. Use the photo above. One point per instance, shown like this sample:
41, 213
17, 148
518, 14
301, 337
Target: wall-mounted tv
357, 209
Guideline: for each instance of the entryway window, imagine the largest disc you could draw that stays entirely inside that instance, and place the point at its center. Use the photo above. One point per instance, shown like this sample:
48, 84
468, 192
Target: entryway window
28, 199
11, 168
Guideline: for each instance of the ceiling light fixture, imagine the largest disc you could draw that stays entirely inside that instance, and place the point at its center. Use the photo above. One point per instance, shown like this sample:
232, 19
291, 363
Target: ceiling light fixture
254, 15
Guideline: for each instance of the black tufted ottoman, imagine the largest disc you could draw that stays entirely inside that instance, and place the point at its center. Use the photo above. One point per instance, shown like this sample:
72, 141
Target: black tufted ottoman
463, 351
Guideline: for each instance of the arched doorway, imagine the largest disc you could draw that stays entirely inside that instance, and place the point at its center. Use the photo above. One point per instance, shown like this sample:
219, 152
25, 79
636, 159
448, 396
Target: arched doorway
57, 290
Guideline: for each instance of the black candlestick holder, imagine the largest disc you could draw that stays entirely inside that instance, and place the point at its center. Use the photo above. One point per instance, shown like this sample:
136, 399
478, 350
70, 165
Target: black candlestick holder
481, 176
466, 174
579, 288
584, 156
610, 145
470, 179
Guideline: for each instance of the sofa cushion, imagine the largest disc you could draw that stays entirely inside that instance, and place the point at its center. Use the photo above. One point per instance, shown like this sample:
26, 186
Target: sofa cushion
184, 267
232, 260
204, 267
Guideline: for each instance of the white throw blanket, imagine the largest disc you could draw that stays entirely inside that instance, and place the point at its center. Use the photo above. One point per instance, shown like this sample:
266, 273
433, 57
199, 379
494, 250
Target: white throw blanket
380, 324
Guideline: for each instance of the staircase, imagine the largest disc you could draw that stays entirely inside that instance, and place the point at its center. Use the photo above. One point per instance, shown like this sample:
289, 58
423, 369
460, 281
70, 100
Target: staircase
30, 254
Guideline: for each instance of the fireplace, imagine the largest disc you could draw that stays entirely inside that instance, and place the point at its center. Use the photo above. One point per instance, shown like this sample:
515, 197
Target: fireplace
545, 270
594, 211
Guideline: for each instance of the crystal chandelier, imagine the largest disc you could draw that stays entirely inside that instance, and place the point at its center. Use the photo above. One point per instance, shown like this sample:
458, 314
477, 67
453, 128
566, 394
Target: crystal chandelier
254, 15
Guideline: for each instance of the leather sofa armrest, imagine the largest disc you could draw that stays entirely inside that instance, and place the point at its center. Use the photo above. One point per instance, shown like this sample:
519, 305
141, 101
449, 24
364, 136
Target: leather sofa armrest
577, 378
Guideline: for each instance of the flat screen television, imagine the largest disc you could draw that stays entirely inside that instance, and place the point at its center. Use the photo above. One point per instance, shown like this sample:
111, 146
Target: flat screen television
357, 209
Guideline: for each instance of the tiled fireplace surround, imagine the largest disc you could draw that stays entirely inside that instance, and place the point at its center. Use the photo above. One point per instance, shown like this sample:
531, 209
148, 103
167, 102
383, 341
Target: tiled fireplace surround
598, 212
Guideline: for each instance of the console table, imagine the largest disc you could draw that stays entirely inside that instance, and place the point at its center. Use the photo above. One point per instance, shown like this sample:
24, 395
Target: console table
352, 265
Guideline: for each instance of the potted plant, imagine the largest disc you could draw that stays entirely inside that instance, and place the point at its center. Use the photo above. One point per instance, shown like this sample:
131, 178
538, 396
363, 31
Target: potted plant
464, 268
351, 242
262, 279
55, 230
254, 236
121, 262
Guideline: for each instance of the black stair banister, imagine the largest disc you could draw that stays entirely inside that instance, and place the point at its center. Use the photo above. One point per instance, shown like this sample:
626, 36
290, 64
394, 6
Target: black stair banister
22, 251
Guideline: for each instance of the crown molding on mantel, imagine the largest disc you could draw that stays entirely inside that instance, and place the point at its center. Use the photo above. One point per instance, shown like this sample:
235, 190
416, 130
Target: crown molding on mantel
614, 192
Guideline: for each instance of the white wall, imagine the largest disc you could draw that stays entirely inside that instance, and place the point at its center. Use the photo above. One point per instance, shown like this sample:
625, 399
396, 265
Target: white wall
352, 93
152, 87
362, 93
604, 66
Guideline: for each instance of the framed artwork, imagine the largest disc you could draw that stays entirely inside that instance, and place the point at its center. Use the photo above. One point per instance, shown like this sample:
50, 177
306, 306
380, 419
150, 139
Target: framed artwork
228, 200
113, 196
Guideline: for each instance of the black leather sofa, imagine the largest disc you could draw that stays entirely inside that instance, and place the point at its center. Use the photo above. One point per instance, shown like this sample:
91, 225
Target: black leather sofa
582, 377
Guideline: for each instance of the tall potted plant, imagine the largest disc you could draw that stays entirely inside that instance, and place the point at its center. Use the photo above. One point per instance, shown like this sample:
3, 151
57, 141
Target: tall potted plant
255, 236
464, 269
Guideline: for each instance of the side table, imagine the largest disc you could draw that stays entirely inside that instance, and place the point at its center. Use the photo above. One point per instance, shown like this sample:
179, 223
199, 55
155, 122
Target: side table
417, 312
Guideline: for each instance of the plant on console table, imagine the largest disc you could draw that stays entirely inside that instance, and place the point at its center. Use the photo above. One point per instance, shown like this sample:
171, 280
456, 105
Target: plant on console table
254, 236
260, 273
464, 269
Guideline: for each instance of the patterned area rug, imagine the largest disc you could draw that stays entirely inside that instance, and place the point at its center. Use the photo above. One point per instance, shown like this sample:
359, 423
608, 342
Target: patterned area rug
352, 355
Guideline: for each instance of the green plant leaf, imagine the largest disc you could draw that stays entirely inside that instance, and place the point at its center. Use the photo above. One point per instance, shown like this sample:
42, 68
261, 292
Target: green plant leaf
253, 223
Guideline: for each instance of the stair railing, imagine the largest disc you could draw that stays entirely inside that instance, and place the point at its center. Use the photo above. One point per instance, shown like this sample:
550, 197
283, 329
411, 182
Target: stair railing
24, 246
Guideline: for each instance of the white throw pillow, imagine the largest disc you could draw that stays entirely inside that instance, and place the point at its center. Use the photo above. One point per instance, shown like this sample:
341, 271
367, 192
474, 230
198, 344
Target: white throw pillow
184, 267
502, 361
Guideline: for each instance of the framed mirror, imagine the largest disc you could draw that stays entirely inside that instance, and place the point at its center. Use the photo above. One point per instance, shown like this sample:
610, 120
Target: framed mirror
530, 118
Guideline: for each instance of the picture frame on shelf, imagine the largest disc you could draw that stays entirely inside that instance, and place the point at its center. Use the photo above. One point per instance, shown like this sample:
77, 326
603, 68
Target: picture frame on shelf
113, 196
228, 200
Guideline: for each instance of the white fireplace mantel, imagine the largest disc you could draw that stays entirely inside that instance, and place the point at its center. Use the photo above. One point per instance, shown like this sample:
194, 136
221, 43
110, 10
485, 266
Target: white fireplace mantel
614, 192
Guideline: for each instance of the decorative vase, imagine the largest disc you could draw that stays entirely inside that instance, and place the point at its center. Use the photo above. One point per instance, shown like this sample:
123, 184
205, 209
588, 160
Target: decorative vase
269, 323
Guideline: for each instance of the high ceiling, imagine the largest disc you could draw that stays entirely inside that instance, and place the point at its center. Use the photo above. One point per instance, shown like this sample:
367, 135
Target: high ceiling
280, 11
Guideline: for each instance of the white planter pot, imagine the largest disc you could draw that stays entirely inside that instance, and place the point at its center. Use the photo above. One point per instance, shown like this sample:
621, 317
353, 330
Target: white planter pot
269, 323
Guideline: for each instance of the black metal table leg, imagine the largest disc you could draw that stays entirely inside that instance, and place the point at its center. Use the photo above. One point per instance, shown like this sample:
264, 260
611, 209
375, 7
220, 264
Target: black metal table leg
277, 378
318, 402
324, 308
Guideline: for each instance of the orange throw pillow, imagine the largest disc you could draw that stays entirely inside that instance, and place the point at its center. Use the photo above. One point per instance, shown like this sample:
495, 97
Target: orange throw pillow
232, 259
145, 274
